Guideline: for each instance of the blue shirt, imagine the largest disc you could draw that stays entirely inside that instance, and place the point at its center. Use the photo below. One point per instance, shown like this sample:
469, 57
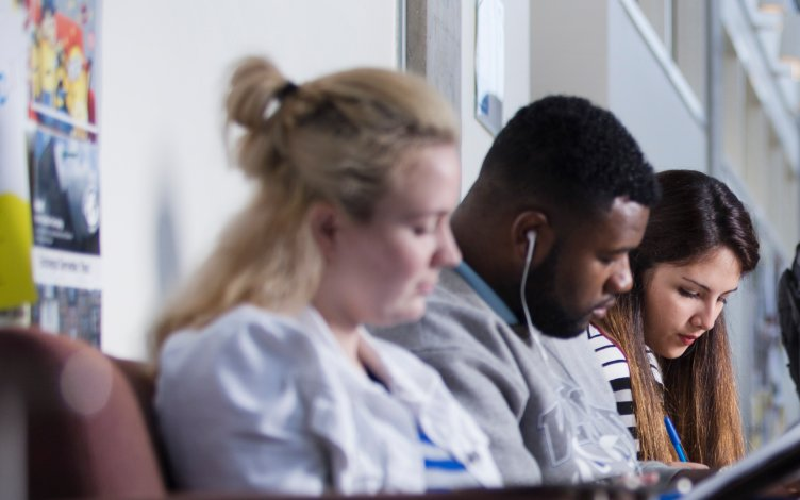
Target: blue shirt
486, 293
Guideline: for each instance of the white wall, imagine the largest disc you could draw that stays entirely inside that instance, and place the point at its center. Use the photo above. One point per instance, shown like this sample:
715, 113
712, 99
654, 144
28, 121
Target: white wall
646, 100
569, 49
599, 54
166, 187
476, 140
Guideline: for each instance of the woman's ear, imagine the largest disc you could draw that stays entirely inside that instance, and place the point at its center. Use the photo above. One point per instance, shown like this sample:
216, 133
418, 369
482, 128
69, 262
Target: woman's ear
324, 221
532, 227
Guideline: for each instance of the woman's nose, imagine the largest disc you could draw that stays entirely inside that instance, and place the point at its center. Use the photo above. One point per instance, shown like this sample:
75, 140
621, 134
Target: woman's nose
448, 253
705, 318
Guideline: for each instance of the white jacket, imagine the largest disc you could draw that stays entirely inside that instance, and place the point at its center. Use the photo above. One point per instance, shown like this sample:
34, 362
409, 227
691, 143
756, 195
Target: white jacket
257, 401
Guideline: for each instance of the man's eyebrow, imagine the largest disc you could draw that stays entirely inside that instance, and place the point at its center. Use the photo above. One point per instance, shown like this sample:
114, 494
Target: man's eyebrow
617, 251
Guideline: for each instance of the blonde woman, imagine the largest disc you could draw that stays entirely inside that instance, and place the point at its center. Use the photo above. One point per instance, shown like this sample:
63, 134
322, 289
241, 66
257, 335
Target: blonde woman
664, 346
268, 379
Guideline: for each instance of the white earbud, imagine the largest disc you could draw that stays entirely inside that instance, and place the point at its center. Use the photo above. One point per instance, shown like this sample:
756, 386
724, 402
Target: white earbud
531, 241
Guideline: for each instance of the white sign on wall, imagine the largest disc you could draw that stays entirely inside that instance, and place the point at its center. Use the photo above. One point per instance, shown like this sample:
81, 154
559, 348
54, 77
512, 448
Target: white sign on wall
490, 65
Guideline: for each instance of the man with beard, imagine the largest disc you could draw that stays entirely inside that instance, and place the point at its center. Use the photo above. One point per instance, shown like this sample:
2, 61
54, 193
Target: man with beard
562, 197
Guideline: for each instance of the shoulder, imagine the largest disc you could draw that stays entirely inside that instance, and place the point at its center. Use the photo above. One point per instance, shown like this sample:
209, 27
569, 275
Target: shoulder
593, 332
581, 345
601, 343
456, 318
598, 337
237, 331
584, 364
408, 373
404, 365
392, 353
246, 346
249, 381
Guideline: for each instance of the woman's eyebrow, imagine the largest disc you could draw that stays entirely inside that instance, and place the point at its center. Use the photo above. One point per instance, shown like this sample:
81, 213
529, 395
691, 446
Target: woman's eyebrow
704, 287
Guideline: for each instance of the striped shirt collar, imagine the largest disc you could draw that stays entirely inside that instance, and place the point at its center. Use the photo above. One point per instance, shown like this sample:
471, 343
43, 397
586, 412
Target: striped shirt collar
486, 293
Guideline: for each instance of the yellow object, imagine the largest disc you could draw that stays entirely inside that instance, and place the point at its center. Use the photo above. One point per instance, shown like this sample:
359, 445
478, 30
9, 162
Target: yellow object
47, 67
76, 85
16, 239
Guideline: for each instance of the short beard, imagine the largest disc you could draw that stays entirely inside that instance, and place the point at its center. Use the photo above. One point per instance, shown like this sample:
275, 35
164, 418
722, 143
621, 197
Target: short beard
547, 314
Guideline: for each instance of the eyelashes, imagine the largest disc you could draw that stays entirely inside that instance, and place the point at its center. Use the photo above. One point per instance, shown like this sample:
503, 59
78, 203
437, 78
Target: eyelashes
693, 295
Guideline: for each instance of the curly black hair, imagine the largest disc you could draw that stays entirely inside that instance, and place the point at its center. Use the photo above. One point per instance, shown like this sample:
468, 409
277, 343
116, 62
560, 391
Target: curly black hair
571, 153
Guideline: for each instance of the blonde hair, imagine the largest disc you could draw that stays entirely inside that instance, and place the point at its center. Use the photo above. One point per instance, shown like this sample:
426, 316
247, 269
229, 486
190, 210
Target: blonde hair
337, 139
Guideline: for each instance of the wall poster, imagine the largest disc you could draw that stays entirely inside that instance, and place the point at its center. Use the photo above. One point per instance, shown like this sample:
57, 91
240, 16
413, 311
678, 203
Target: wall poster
61, 138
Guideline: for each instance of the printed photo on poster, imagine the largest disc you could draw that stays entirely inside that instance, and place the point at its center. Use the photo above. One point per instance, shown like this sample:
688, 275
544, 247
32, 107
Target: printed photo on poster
65, 193
490, 65
71, 311
62, 60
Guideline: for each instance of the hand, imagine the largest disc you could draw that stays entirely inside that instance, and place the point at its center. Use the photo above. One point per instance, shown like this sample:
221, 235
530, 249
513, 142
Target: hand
687, 465
692, 471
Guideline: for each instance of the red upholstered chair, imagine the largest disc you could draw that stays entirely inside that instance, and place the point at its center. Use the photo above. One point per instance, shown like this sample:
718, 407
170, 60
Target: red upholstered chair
84, 432
141, 377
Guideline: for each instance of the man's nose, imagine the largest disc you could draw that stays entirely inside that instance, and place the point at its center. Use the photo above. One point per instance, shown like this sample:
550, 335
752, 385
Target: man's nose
621, 279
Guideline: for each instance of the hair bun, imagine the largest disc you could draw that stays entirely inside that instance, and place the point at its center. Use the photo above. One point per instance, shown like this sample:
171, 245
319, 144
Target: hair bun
254, 83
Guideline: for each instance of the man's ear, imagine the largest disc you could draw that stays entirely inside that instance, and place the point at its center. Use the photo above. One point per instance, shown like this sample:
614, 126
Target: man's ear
324, 220
536, 222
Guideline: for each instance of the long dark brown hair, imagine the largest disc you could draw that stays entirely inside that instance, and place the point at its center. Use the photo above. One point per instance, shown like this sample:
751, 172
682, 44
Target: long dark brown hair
697, 214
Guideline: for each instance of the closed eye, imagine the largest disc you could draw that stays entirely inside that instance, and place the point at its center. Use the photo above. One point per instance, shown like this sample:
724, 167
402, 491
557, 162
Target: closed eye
688, 293
425, 226
610, 259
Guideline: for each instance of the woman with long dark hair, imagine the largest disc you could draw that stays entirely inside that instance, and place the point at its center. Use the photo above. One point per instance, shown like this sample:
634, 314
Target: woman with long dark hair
664, 346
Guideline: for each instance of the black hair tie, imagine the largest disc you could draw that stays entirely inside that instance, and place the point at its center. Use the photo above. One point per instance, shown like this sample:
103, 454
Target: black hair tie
288, 90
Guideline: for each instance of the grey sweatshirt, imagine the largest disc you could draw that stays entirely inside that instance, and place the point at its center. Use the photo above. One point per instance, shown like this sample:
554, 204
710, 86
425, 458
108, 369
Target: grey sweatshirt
551, 418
